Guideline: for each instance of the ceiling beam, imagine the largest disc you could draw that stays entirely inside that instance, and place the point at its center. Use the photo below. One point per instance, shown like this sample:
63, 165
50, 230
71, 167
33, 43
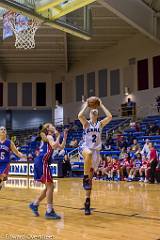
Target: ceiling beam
135, 13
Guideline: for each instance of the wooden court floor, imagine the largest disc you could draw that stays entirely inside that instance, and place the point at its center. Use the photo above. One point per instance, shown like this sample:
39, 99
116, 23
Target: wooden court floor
128, 211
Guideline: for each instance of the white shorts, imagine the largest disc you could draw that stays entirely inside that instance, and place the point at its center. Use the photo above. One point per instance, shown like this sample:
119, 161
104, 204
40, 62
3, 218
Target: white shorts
95, 156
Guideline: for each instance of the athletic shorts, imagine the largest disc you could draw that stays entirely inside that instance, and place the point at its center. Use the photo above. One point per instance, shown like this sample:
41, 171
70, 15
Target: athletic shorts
4, 168
95, 156
42, 171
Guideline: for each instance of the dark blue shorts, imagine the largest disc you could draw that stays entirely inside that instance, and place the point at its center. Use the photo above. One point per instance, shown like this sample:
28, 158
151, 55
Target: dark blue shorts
4, 168
42, 171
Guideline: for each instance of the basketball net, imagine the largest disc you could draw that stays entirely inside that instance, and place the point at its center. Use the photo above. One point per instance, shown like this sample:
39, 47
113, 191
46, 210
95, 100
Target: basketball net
24, 31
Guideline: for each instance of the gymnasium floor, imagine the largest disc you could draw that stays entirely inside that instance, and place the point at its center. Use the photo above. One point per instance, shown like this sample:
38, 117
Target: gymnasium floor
122, 211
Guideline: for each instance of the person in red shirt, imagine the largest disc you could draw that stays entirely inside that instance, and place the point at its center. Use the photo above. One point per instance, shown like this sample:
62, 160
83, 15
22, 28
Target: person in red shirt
125, 167
153, 162
115, 171
100, 172
143, 171
108, 168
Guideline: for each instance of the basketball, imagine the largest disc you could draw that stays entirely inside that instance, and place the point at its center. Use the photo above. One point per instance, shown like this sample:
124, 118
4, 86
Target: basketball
93, 102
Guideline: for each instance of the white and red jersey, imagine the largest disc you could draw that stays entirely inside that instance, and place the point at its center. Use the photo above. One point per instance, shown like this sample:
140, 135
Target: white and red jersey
145, 163
116, 165
128, 163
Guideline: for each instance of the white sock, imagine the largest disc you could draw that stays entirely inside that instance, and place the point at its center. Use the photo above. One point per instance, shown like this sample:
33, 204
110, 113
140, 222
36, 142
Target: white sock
49, 208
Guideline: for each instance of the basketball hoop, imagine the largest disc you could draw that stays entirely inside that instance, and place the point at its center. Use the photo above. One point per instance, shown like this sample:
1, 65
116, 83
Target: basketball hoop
24, 30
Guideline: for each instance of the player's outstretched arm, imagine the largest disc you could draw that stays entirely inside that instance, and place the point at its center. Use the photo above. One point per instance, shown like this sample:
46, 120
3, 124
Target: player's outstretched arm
63, 144
54, 144
81, 116
108, 117
16, 152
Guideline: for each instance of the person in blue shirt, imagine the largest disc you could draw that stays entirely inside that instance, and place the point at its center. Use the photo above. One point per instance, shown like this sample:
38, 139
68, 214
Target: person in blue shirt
42, 170
6, 147
137, 164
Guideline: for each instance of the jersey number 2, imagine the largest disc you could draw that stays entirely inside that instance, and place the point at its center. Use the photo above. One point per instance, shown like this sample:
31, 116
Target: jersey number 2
94, 138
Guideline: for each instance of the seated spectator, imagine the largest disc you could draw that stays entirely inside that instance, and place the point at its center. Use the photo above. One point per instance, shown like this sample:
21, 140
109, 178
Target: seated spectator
152, 129
122, 154
143, 171
109, 141
145, 149
135, 146
100, 172
137, 163
73, 143
120, 141
115, 171
125, 166
107, 170
155, 129
137, 127
123, 144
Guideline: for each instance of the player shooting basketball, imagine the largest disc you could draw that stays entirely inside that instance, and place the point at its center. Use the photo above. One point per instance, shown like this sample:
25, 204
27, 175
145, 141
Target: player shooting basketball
91, 144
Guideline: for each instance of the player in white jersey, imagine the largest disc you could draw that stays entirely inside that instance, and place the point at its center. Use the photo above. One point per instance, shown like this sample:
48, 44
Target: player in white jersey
91, 146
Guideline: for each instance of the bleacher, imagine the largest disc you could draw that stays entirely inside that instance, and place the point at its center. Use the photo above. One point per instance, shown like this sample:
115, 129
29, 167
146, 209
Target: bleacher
77, 131
112, 126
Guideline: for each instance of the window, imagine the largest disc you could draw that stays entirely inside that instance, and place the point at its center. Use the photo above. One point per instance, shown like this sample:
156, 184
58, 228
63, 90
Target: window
41, 94
58, 90
115, 82
91, 84
102, 80
156, 71
12, 94
27, 94
79, 87
142, 71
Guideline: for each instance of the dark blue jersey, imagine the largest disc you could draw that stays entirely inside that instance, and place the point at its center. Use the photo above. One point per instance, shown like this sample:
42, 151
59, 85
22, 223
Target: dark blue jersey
138, 163
5, 149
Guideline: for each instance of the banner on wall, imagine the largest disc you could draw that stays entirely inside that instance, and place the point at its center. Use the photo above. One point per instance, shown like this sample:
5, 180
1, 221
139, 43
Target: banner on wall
31, 169
27, 169
19, 169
